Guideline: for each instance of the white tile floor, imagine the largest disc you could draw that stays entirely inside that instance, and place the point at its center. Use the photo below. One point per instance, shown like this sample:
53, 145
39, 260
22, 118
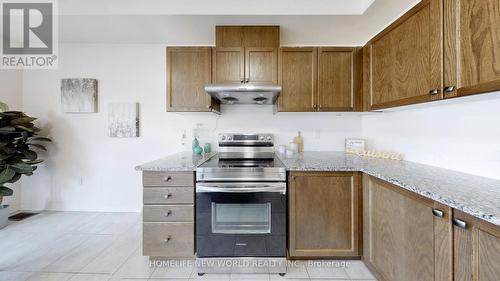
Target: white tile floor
77, 246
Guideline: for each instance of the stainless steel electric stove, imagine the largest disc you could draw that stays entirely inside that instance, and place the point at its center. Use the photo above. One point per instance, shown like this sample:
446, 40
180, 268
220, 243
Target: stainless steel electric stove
241, 206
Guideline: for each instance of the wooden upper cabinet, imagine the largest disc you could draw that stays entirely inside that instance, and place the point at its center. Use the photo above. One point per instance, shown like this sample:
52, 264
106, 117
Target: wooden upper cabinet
297, 75
472, 46
261, 65
228, 65
324, 212
405, 65
247, 36
188, 72
476, 249
405, 236
337, 79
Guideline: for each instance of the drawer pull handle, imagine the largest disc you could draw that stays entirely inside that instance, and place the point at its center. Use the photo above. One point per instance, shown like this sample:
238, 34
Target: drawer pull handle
434, 92
169, 178
167, 196
460, 223
449, 89
167, 239
168, 213
438, 213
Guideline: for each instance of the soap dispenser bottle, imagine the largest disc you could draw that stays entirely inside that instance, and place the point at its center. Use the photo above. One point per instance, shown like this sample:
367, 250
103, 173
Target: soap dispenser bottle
299, 140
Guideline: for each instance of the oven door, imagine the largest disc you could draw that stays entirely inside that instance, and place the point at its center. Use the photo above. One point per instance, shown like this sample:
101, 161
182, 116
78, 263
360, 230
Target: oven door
241, 219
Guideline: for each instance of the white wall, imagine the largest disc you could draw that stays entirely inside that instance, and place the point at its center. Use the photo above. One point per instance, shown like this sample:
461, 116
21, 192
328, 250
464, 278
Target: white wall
86, 170
11, 94
137, 28
461, 134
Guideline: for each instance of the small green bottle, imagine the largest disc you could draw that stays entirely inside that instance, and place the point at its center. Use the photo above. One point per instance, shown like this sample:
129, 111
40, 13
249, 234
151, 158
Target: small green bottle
207, 148
195, 144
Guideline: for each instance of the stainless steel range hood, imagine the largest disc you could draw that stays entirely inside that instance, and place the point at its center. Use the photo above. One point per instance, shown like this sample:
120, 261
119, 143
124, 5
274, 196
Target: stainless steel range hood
244, 93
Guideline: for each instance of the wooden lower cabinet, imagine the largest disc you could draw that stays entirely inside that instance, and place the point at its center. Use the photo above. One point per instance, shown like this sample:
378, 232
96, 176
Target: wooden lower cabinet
476, 249
405, 236
168, 214
173, 240
324, 214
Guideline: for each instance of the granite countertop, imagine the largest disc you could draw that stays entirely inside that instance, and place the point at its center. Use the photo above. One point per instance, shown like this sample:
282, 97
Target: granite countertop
179, 162
474, 195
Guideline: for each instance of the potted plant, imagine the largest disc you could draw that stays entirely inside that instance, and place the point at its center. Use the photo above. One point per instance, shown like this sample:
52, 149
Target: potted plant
18, 142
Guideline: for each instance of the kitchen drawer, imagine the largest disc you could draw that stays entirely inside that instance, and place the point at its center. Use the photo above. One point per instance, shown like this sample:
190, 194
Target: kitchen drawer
170, 195
173, 240
168, 179
169, 213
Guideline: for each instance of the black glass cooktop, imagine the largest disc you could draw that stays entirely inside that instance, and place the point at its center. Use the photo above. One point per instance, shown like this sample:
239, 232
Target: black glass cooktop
217, 162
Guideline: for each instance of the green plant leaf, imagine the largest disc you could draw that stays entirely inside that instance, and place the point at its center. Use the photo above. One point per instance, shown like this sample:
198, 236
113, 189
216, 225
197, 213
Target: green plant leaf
39, 146
15, 178
9, 150
5, 156
6, 175
41, 139
23, 168
31, 130
5, 191
34, 162
7, 129
3, 107
30, 154
22, 120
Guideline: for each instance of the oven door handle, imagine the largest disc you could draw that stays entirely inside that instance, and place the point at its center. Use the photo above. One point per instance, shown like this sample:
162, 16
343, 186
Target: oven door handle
241, 188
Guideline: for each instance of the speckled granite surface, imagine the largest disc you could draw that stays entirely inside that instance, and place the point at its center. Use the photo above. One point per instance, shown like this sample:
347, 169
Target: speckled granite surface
179, 162
474, 195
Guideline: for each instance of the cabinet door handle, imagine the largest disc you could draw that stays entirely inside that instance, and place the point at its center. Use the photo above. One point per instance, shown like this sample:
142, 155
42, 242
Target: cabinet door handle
168, 213
449, 89
460, 223
167, 196
434, 92
437, 213
242, 81
169, 178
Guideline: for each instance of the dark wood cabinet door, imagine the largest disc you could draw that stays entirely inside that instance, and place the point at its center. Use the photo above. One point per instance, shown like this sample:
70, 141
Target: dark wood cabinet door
406, 59
297, 75
476, 249
337, 79
247, 36
261, 36
472, 47
188, 72
228, 65
403, 238
323, 214
261, 65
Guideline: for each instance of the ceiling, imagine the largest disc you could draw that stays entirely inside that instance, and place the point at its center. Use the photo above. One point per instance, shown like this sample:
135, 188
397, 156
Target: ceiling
214, 7
170, 22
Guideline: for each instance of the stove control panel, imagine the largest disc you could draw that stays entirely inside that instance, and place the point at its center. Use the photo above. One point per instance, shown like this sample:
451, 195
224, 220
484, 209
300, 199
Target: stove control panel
268, 138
